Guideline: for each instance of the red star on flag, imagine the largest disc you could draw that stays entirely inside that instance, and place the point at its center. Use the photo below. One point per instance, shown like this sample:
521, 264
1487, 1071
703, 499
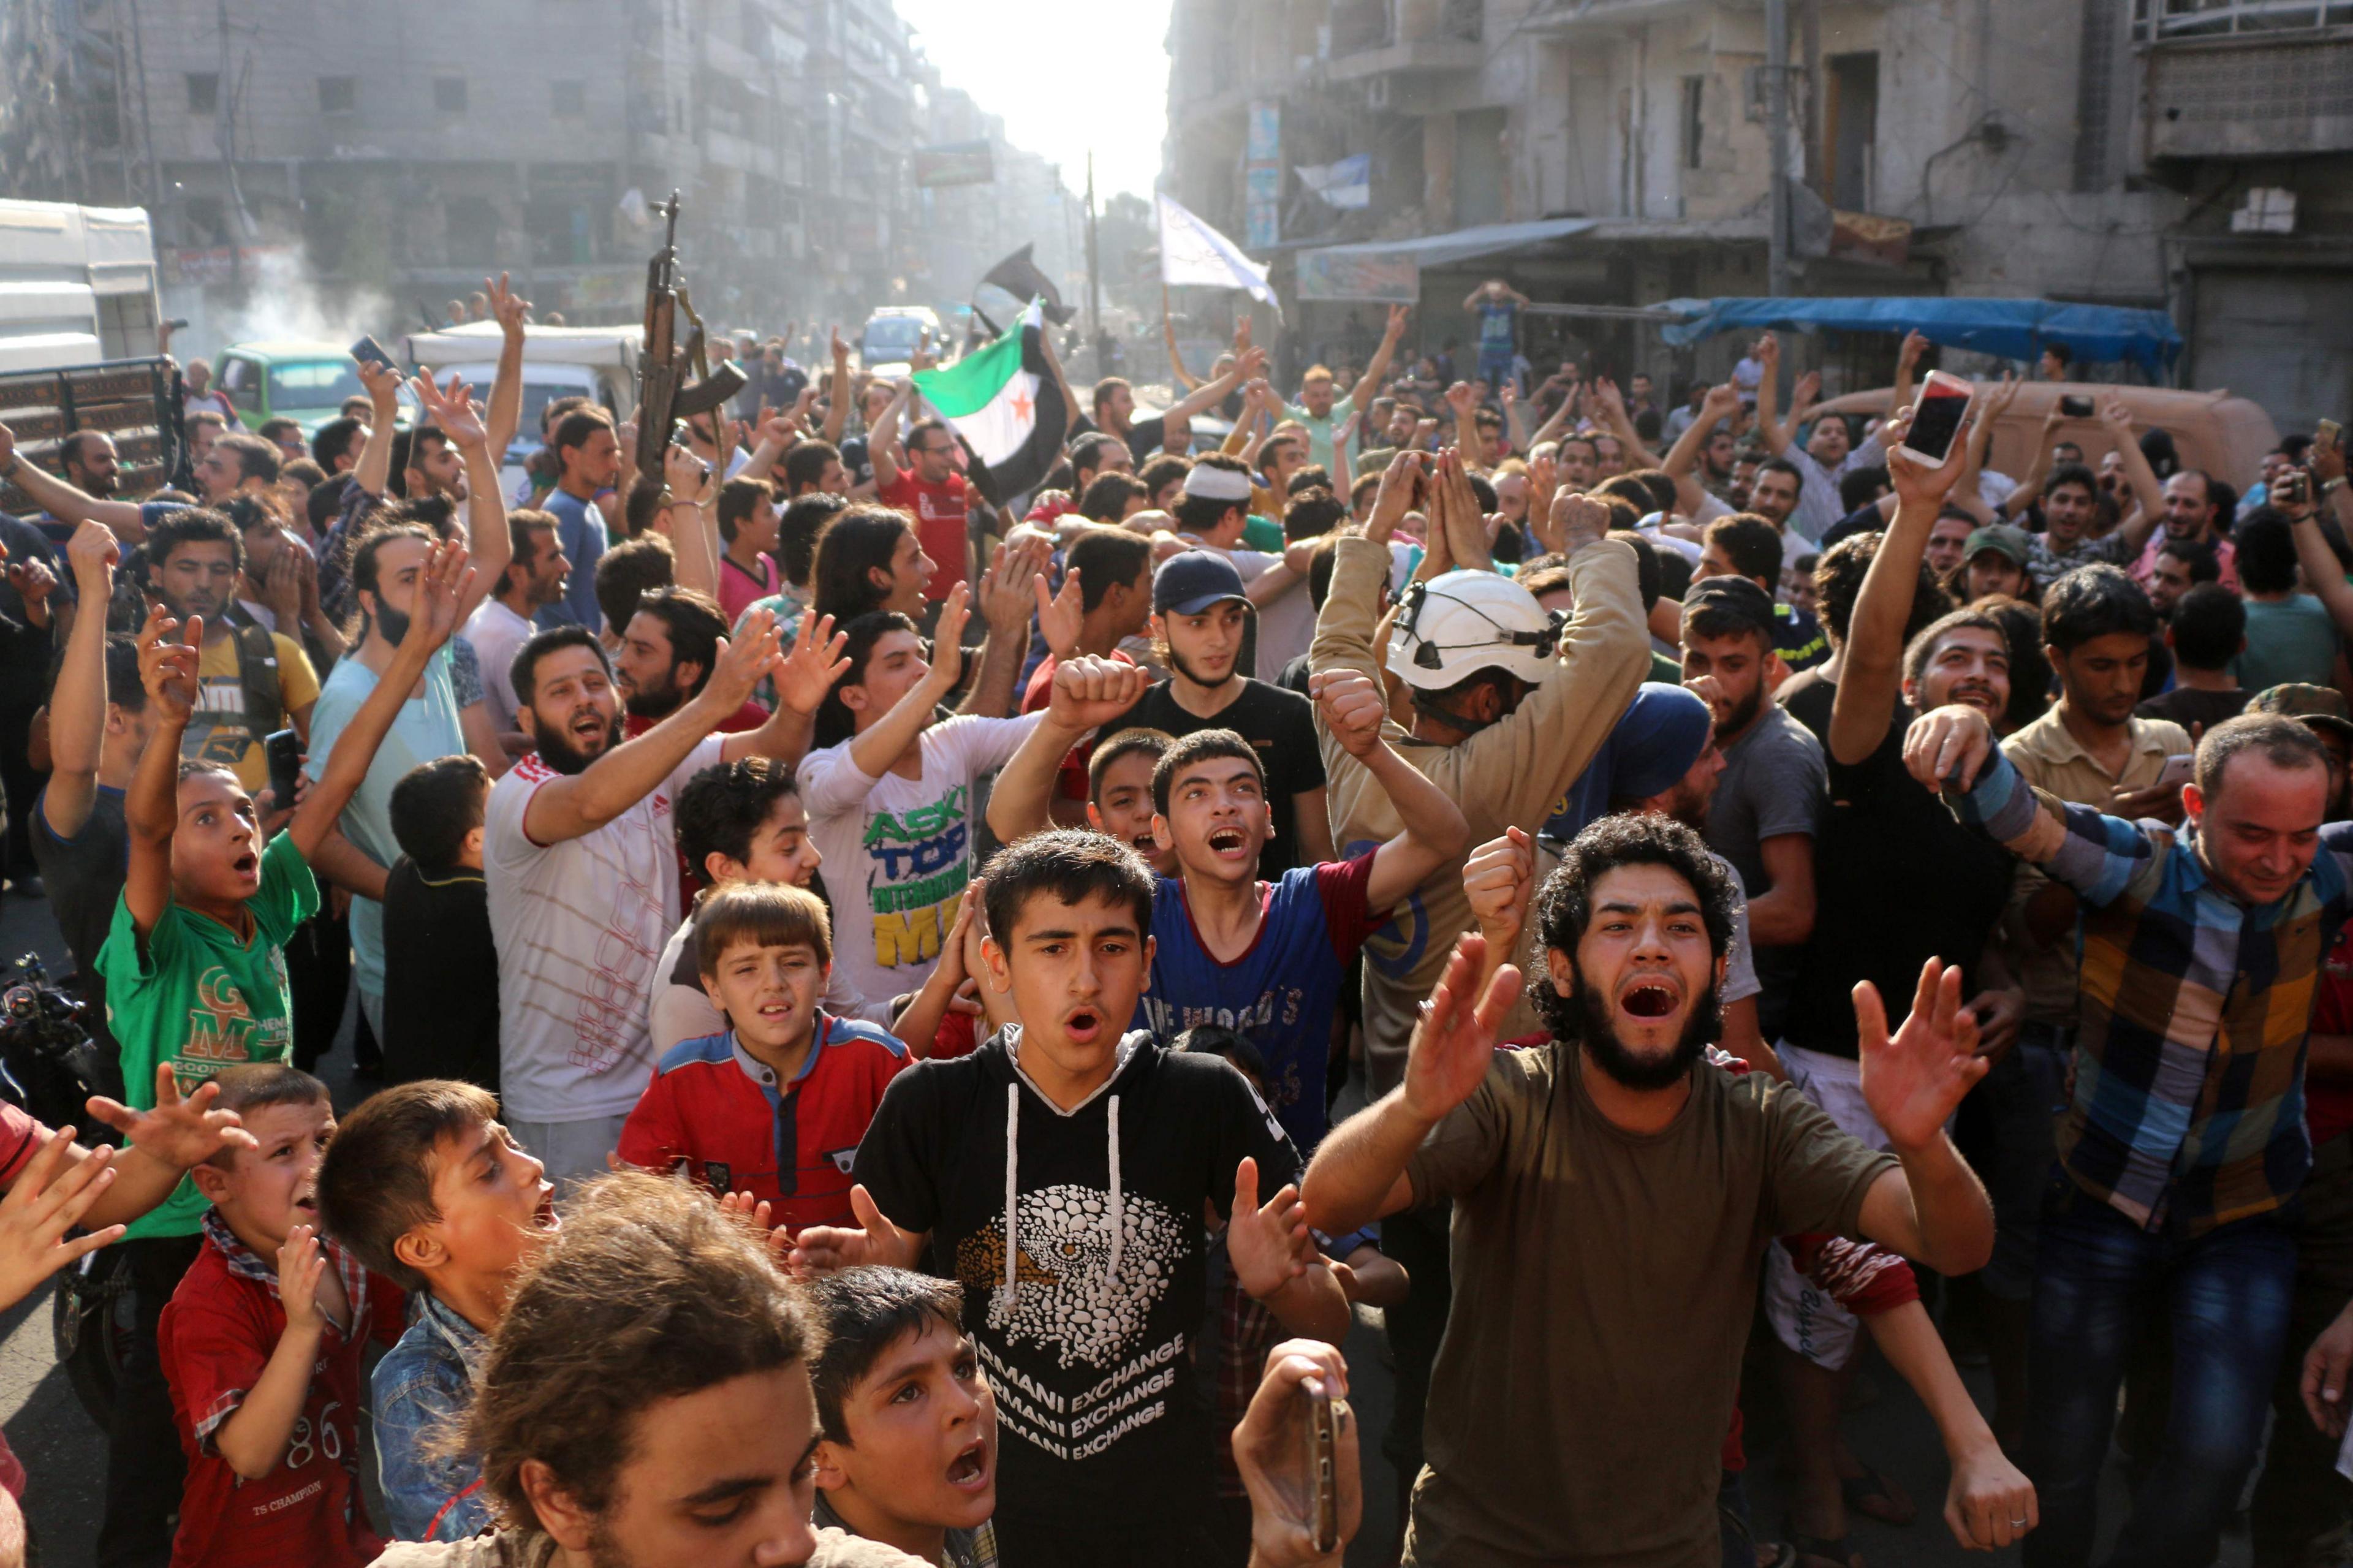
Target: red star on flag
1021, 406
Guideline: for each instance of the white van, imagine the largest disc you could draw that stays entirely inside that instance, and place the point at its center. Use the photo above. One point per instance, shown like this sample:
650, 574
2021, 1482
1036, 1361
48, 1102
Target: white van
597, 362
77, 285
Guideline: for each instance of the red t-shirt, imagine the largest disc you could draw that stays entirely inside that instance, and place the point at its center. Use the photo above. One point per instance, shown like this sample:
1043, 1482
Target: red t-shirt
2328, 1107
790, 1144
939, 512
215, 1338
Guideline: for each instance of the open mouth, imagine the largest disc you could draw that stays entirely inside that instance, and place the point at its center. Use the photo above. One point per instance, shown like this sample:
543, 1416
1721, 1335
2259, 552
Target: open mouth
246, 865
1227, 841
1146, 843
1649, 999
1083, 1025
1978, 696
544, 1216
970, 1470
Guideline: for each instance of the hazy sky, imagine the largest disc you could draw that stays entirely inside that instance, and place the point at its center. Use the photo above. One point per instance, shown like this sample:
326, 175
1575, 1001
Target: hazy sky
1065, 75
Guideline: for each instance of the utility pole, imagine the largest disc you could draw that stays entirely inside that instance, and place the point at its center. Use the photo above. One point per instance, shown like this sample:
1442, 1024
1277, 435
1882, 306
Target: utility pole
1776, 113
146, 121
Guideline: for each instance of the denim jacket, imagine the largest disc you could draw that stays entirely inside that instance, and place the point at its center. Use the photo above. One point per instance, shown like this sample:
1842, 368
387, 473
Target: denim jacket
422, 1384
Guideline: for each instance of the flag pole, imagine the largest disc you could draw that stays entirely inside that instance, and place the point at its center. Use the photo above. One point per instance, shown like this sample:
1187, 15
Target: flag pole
1095, 271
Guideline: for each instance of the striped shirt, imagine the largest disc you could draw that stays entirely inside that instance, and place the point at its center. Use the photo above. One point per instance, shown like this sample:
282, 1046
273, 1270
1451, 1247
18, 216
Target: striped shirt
2188, 1108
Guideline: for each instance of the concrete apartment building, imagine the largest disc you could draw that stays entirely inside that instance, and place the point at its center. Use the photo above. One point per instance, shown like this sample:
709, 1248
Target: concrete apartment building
2181, 154
397, 153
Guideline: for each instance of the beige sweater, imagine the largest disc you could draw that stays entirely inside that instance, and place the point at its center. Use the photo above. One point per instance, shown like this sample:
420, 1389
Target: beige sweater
1511, 774
529, 1549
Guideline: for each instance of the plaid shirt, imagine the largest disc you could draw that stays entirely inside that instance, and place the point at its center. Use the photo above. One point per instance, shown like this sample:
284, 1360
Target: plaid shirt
247, 1264
2187, 1107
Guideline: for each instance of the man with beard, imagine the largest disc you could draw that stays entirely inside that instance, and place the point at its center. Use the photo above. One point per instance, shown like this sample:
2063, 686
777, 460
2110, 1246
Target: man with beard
1612, 1193
1878, 928
583, 871
1772, 791
668, 651
1200, 608
1700, 462
587, 462
71, 501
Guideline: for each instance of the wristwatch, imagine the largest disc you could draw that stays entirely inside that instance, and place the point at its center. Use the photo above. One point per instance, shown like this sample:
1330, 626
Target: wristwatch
2330, 487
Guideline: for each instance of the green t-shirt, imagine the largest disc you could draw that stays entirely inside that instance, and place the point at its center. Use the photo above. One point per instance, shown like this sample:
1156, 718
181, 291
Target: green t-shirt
198, 997
1262, 534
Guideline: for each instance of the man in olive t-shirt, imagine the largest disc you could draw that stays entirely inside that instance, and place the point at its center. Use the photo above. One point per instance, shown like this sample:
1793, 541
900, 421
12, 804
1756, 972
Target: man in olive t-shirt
1612, 1196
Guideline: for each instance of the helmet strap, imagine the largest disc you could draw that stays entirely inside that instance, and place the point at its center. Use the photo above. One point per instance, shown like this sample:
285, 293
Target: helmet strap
1427, 705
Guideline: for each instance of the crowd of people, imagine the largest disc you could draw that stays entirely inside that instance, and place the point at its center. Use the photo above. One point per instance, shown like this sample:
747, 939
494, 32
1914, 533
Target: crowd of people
859, 977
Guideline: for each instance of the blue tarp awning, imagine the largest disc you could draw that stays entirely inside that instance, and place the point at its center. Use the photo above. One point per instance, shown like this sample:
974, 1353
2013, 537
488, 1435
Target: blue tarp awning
2013, 328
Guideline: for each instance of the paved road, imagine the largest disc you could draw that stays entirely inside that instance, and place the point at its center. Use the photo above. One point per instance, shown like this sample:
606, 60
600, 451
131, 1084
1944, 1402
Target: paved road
66, 1456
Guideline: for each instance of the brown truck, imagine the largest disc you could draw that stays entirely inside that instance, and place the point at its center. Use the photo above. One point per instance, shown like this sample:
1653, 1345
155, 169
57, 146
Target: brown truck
136, 401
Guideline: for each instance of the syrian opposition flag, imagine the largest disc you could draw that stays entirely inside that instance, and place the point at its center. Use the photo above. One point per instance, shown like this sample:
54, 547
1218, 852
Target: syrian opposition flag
1004, 404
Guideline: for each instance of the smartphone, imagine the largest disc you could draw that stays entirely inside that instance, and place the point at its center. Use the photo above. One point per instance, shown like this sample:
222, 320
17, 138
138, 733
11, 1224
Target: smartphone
2327, 433
368, 350
284, 750
2294, 488
180, 324
1322, 1444
2075, 405
2179, 769
1936, 417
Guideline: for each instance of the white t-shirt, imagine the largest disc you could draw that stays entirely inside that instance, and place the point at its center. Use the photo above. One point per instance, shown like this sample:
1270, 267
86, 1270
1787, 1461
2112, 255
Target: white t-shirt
683, 1009
496, 633
1285, 628
898, 851
579, 926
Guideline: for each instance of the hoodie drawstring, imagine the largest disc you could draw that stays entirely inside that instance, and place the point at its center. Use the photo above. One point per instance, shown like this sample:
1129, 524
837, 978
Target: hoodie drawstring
1012, 1186
1118, 1230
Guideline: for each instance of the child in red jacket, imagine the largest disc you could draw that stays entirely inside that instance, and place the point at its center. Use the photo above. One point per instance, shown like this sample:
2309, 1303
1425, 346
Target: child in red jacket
774, 1106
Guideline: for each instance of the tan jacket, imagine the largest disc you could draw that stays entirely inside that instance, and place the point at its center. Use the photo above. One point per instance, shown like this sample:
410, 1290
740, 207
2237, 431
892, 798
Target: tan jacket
1508, 775
2047, 752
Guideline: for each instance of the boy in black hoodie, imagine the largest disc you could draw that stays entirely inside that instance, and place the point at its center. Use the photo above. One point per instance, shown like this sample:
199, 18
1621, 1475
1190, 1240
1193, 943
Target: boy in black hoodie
1060, 1172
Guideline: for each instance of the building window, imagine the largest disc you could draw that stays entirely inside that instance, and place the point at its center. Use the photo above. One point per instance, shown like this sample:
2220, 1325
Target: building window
450, 94
1695, 126
568, 97
338, 94
203, 92
1851, 131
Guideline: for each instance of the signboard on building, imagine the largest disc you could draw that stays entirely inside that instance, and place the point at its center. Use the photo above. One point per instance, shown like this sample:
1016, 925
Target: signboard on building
955, 164
1262, 177
1390, 276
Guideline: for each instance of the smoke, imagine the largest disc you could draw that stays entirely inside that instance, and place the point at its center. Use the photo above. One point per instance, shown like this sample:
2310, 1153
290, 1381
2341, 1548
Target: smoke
284, 299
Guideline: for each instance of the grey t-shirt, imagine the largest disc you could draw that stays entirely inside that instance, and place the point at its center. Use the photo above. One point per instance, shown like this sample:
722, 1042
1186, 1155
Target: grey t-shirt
1774, 783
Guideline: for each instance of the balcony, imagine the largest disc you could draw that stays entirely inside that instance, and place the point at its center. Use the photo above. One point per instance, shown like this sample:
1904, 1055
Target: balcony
1373, 38
2223, 80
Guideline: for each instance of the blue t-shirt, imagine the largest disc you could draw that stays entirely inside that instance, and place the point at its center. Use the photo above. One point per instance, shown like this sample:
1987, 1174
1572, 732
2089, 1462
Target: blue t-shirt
1495, 323
1280, 993
426, 728
580, 530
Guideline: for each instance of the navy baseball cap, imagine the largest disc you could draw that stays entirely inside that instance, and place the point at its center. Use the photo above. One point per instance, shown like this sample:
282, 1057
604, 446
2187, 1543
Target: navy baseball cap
1192, 580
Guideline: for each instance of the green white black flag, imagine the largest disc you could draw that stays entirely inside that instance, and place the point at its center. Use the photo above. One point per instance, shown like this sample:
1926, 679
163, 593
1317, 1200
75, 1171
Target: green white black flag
1006, 405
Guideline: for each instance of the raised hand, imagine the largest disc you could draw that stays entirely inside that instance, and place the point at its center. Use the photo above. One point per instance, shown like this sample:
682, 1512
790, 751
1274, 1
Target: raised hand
94, 553
1089, 691
1721, 401
1269, 1245
168, 669
301, 1263
1400, 487
684, 474
1458, 398
33, 581
808, 672
1396, 327
2116, 415
1611, 400
1351, 707
178, 1133
1006, 591
743, 659
1768, 352
1914, 345
2004, 394
1808, 386
1499, 878
1061, 615
382, 384
507, 307
1916, 483
440, 588
50, 1198
1268, 1445
1914, 1080
1950, 744
1455, 1039
823, 1250
1573, 522
281, 585
947, 639
451, 408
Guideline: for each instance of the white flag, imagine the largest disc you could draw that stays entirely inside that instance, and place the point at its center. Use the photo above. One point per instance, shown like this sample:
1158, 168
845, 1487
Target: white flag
1193, 252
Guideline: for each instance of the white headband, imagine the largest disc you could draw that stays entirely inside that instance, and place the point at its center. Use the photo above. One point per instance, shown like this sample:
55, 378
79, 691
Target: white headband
1213, 483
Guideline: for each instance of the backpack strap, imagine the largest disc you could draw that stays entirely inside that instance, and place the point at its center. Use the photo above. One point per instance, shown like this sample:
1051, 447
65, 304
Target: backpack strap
258, 673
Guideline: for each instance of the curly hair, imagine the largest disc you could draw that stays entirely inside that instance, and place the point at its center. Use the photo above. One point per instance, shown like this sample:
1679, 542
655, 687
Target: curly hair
1565, 904
1838, 583
647, 1293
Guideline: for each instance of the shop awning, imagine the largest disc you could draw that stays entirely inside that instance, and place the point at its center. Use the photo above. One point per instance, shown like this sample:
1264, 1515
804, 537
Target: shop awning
1392, 269
2013, 329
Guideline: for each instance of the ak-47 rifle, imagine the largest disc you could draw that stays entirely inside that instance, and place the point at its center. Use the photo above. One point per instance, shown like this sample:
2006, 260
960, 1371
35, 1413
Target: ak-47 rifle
664, 393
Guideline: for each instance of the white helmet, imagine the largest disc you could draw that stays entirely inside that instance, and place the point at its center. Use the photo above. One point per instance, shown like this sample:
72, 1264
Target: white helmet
1460, 623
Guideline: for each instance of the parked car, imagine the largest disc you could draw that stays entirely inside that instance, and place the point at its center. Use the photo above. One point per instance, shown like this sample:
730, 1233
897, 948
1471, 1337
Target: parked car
887, 345
288, 379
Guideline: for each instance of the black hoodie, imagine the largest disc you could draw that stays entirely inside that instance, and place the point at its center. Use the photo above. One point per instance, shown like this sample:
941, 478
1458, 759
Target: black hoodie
1087, 1338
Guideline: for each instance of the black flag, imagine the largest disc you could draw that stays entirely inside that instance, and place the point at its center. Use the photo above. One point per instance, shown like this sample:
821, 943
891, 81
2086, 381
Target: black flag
1020, 277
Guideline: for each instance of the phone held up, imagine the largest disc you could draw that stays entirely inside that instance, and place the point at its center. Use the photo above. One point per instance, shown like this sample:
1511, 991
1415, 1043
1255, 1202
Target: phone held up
1322, 1456
1936, 418
368, 350
283, 749
2075, 405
